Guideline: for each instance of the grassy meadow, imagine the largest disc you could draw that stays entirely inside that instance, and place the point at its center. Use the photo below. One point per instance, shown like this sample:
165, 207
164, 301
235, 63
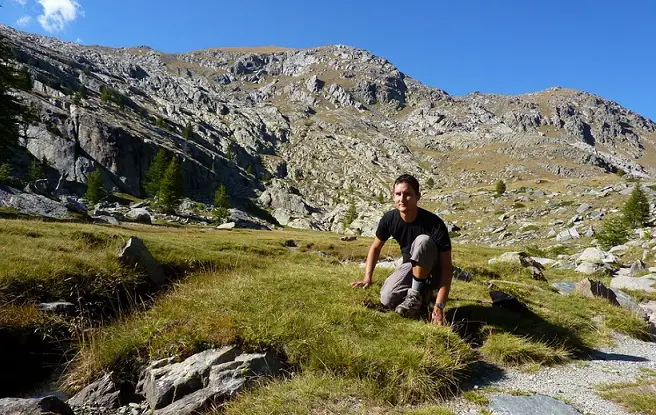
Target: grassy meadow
287, 291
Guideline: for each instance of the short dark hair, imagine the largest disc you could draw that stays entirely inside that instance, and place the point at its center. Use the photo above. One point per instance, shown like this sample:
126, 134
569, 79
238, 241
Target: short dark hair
406, 178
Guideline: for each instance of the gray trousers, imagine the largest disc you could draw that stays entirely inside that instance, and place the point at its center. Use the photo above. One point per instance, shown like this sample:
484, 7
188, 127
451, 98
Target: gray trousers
423, 252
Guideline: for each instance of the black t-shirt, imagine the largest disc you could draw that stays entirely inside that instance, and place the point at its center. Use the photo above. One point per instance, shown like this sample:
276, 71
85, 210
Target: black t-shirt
405, 233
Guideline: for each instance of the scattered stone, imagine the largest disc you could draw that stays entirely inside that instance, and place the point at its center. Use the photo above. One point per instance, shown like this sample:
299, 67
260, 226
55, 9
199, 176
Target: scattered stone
46, 405
592, 255
582, 208
637, 267
291, 243
57, 307
592, 288
518, 258
645, 283
544, 261
565, 287
589, 268
135, 254
110, 220
461, 275
536, 273
348, 238
502, 299
551, 233
567, 235
529, 405
227, 225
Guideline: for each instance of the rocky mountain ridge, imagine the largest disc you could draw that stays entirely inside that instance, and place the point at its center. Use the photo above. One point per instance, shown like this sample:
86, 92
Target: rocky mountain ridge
305, 131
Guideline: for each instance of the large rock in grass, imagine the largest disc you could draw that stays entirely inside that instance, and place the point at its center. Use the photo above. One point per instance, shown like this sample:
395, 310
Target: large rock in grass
135, 254
596, 256
645, 283
591, 288
33, 204
201, 380
104, 393
48, 405
529, 405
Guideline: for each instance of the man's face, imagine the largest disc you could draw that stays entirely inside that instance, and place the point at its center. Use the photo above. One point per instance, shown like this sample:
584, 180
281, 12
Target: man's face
405, 198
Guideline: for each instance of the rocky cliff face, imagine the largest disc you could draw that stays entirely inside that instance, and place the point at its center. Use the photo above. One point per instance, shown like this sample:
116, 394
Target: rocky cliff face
305, 131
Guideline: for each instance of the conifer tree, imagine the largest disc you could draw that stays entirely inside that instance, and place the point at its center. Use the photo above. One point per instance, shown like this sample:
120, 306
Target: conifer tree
188, 131
221, 202
156, 172
37, 170
11, 110
5, 171
95, 190
351, 214
170, 189
636, 209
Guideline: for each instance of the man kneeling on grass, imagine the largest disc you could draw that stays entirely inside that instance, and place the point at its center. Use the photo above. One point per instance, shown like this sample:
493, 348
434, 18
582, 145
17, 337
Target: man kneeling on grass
426, 248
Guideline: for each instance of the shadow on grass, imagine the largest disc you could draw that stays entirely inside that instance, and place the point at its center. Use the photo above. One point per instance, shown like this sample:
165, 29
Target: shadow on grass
618, 357
468, 321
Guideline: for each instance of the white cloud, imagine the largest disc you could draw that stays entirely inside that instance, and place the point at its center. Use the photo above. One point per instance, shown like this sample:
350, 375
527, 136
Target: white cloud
24, 21
21, 2
79, 41
58, 13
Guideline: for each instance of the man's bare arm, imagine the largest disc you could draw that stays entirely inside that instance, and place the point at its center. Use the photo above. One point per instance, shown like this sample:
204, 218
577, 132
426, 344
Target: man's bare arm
446, 274
372, 259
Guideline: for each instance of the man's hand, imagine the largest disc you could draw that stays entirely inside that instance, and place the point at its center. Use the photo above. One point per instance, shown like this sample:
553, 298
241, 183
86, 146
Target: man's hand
438, 316
364, 283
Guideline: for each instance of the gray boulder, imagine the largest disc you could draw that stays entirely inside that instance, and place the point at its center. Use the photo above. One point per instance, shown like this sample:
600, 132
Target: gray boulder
645, 283
47, 405
201, 380
637, 267
135, 254
33, 204
39, 187
592, 288
103, 392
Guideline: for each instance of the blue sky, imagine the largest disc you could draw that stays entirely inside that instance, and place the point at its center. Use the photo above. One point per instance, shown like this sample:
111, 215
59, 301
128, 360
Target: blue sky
604, 47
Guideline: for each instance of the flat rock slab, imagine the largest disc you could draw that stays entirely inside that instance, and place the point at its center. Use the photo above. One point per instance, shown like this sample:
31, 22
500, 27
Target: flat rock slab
530, 405
646, 283
47, 405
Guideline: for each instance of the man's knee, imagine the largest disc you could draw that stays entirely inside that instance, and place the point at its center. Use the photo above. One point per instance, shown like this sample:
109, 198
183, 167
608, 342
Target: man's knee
391, 299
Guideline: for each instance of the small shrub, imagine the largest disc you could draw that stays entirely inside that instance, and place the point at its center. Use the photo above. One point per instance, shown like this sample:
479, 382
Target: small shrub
430, 182
620, 172
518, 205
380, 198
160, 123
613, 232
500, 188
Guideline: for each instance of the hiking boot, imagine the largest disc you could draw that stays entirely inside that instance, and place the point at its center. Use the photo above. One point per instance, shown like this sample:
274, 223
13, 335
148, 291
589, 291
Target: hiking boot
411, 306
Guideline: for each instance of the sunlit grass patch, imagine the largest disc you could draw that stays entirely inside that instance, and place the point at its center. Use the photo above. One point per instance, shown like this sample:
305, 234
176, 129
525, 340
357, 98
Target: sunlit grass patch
638, 396
304, 309
509, 349
316, 393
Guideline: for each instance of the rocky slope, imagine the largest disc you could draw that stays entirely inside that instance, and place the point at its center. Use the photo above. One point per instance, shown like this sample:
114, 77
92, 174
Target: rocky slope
305, 131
